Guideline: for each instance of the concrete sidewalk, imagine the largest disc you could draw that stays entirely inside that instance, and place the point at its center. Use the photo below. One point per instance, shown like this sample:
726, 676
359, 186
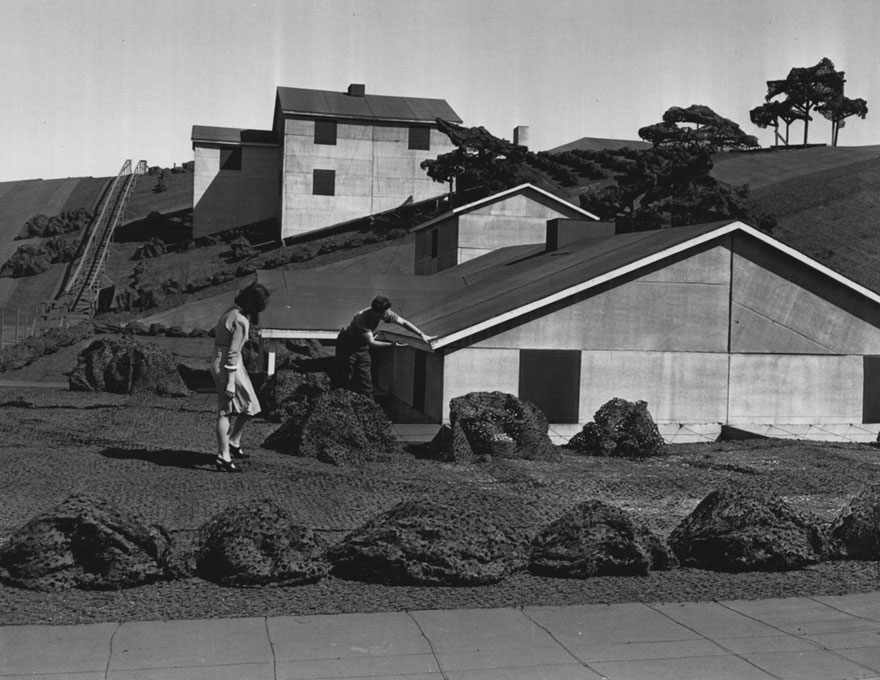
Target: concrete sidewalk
817, 638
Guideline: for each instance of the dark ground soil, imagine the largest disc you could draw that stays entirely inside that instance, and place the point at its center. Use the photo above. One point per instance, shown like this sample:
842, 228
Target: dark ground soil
153, 456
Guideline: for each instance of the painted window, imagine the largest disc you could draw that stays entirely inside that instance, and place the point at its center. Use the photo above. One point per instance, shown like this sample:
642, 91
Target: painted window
230, 158
420, 138
325, 132
324, 182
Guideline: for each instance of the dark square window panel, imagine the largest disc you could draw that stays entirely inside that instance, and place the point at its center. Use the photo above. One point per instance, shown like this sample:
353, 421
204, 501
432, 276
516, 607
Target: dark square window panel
420, 138
324, 182
325, 132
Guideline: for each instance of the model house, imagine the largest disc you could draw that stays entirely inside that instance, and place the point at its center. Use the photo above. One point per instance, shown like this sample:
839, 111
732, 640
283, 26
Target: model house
716, 323
517, 216
330, 157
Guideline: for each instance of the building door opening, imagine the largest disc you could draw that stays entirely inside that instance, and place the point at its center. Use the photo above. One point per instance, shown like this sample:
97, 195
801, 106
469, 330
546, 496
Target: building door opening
551, 380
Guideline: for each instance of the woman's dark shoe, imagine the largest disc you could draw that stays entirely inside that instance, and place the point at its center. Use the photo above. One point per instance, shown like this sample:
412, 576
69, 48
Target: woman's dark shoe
226, 465
237, 452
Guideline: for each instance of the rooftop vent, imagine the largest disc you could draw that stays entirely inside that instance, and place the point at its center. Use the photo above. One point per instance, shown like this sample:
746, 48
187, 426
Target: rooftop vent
561, 232
357, 90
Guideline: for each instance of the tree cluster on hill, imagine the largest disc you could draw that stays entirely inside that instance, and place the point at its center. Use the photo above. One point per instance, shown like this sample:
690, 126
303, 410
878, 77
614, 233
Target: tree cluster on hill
30, 259
699, 127
667, 186
818, 88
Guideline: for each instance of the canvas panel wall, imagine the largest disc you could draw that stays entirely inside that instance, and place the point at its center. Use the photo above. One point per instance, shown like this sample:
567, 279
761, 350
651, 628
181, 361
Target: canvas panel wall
771, 388
479, 370
679, 387
781, 305
682, 307
447, 247
225, 199
375, 171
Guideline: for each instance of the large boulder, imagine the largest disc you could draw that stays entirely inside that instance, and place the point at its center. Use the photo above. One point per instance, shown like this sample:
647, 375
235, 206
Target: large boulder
87, 543
598, 539
421, 542
494, 424
124, 365
620, 428
286, 391
738, 529
339, 427
256, 544
855, 532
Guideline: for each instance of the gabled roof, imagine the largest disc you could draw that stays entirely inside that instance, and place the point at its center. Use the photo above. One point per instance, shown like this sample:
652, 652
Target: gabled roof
330, 104
472, 298
536, 192
207, 134
528, 285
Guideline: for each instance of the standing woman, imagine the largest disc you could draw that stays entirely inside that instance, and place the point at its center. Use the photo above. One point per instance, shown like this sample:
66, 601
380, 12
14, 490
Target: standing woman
236, 399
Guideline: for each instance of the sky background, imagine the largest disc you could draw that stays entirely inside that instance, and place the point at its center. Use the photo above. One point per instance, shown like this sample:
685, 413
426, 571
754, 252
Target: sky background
87, 84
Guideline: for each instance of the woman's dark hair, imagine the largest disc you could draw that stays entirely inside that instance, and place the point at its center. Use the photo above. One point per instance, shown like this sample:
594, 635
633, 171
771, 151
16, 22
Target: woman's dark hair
380, 304
252, 300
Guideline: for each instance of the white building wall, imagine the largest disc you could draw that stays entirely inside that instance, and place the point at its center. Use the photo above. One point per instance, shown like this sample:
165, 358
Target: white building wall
226, 199
375, 171
778, 388
479, 370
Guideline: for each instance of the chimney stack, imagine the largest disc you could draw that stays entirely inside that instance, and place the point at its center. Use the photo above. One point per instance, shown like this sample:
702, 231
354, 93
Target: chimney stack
521, 135
562, 232
357, 90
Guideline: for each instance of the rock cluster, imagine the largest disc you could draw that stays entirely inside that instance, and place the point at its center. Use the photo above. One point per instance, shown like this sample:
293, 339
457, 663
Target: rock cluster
738, 529
427, 543
86, 543
494, 424
257, 544
598, 539
288, 392
856, 530
620, 428
126, 366
339, 427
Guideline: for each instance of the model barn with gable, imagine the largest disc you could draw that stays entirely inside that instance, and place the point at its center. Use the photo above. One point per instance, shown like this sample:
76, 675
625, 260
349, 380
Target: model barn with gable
716, 323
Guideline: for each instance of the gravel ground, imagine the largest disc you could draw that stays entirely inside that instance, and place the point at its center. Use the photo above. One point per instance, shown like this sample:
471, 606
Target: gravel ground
153, 456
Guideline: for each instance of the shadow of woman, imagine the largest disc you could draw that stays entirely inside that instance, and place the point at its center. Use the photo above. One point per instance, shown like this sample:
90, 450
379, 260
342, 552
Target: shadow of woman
164, 457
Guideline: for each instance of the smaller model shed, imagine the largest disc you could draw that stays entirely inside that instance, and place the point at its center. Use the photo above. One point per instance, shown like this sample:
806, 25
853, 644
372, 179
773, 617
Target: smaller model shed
517, 216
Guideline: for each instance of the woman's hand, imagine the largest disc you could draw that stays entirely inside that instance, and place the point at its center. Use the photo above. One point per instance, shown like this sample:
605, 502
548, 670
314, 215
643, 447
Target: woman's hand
230, 390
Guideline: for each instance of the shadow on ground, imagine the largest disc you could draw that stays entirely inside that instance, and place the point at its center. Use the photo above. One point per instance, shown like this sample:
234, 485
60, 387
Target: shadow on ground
164, 457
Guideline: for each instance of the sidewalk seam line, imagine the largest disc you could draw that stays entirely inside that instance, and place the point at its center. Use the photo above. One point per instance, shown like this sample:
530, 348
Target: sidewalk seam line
556, 640
818, 646
430, 644
271, 648
715, 642
110, 655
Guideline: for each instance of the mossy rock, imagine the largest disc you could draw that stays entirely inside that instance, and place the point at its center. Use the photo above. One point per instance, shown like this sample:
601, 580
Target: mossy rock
620, 428
127, 366
855, 532
257, 544
598, 539
739, 529
85, 542
422, 542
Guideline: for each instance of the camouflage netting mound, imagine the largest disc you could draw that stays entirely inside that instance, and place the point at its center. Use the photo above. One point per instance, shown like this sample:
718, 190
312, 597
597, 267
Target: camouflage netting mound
127, 366
737, 529
856, 530
430, 544
486, 424
620, 428
598, 539
339, 427
287, 393
257, 544
87, 543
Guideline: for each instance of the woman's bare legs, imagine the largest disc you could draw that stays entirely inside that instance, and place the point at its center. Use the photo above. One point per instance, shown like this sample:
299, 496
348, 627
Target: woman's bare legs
223, 428
235, 430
